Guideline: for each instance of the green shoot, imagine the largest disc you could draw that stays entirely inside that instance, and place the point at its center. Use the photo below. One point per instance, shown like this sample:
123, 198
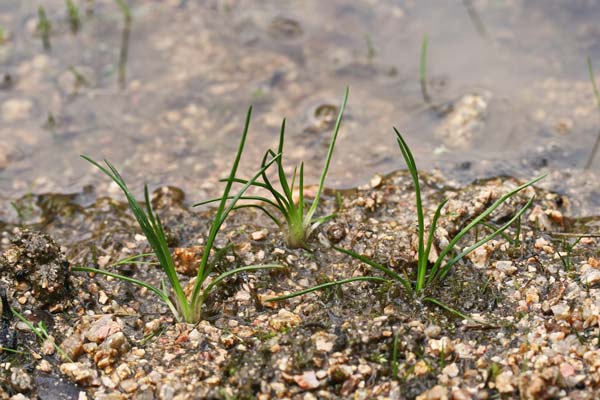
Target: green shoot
9, 350
326, 285
80, 80
124, 51
189, 310
568, 247
440, 268
41, 332
19, 211
124, 9
593, 80
44, 27
514, 241
517, 238
152, 335
73, 15
293, 216
423, 71
447, 308
427, 273
590, 159
339, 201
395, 364
135, 259
24, 207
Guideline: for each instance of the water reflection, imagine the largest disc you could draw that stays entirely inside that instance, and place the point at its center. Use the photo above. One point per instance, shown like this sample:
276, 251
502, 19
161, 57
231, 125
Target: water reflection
161, 91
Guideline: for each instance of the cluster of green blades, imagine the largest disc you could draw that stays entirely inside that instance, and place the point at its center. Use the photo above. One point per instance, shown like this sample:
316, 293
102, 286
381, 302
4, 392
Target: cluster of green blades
300, 222
189, 310
294, 216
428, 273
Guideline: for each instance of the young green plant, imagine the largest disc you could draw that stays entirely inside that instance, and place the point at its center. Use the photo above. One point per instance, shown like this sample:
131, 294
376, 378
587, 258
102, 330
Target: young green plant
592, 155
568, 246
41, 332
43, 27
296, 217
73, 15
395, 349
423, 71
184, 308
427, 273
124, 50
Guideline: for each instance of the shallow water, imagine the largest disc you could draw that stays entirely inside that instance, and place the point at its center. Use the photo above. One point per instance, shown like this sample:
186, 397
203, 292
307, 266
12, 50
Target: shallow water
514, 72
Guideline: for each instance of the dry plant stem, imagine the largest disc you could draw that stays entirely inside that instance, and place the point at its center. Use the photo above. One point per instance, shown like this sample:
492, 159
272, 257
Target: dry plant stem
440, 268
475, 18
124, 51
73, 14
395, 364
328, 284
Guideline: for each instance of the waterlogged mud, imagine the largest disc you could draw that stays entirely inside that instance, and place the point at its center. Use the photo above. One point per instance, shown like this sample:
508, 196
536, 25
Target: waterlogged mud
334, 343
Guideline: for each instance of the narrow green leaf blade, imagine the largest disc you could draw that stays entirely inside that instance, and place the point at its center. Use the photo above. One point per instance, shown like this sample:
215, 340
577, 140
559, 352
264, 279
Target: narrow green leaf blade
326, 285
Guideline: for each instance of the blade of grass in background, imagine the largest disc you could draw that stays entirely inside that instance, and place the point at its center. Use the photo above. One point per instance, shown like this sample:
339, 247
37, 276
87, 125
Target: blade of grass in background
43, 27
592, 155
41, 332
124, 51
73, 16
423, 71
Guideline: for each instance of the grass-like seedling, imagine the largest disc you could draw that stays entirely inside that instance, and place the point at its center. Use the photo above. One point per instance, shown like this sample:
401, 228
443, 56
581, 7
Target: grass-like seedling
41, 332
124, 51
395, 363
427, 273
189, 310
44, 27
423, 71
568, 246
124, 9
514, 240
73, 15
296, 217
592, 155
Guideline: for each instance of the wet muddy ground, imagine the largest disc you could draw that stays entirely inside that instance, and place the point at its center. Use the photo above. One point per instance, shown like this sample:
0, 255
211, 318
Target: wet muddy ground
533, 330
164, 97
512, 78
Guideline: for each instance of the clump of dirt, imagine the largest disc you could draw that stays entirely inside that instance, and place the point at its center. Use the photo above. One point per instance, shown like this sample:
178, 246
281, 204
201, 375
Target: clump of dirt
34, 264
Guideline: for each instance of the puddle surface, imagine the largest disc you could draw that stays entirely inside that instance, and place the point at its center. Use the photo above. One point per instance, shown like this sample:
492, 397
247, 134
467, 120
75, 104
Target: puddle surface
510, 77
